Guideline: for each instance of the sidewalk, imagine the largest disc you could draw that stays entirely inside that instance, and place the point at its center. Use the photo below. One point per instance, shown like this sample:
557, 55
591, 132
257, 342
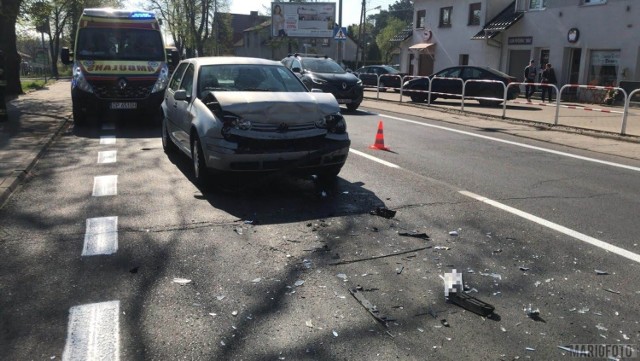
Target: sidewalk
37, 117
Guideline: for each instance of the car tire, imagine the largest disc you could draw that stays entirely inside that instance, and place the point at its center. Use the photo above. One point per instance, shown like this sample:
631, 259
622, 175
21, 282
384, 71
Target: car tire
167, 143
200, 172
353, 107
418, 98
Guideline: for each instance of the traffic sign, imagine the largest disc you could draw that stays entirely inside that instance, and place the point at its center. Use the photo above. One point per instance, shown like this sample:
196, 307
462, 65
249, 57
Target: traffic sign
340, 33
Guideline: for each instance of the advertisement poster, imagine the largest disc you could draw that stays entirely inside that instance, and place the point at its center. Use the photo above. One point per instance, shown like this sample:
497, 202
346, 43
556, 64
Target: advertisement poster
309, 20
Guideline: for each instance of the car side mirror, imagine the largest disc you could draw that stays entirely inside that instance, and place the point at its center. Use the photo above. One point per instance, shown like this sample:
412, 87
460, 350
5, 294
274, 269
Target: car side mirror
65, 56
296, 70
181, 95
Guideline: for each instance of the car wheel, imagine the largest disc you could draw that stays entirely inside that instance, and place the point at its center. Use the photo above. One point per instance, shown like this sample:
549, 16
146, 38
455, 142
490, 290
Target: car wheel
79, 117
200, 172
167, 143
353, 106
418, 98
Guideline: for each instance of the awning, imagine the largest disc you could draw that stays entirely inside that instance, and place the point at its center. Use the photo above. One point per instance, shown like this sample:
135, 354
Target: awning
421, 46
501, 22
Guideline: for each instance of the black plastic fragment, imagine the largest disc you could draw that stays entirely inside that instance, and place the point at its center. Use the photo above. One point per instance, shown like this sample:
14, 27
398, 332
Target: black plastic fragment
383, 212
357, 294
415, 235
471, 303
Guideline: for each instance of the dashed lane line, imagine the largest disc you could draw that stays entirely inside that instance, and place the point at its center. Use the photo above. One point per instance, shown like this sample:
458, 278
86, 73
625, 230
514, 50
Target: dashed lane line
105, 185
108, 156
93, 332
101, 236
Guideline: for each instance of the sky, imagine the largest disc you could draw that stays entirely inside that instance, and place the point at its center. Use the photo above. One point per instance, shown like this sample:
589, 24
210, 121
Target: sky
350, 8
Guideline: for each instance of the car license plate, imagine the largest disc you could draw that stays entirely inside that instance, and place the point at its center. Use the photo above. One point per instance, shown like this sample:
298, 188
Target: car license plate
344, 101
124, 105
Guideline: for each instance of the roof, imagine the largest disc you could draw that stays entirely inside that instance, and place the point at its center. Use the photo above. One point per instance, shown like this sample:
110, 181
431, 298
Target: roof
223, 60
501, 22
403, 35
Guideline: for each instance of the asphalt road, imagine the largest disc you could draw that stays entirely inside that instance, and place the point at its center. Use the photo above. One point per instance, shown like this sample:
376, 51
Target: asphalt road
269, 264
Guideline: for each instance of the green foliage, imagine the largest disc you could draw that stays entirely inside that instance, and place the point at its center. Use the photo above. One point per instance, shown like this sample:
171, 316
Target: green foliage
394, 26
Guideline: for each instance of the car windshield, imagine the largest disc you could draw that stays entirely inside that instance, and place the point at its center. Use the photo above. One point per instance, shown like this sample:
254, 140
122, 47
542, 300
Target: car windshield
119, 44
322, 66
247, 77
390, 70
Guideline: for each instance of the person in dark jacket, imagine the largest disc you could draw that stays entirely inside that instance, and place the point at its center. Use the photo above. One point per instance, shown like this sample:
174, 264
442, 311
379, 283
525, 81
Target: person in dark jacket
530, 73
548, 77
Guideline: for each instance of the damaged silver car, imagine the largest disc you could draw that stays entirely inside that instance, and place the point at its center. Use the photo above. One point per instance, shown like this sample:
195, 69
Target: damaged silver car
241, 115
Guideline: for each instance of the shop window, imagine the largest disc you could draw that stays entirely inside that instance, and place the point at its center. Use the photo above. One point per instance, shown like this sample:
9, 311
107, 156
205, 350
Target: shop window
420, 19
537, 4
603, 67
474, 13
325, 42
445, 17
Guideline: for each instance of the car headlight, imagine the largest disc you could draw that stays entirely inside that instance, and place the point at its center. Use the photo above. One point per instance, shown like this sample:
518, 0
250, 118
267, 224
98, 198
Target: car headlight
79, 80
232, 121
333, 123
318, 81
163, 80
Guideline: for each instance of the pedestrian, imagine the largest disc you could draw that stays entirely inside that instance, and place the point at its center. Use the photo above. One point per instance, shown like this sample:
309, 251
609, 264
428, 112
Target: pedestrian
530, 77
3, 84
548, 77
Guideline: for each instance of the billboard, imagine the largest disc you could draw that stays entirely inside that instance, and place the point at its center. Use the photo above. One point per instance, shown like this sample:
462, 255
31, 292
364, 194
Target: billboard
309, 20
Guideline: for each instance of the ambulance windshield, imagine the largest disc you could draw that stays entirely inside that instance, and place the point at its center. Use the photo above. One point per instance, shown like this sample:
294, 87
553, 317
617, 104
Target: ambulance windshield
119, 44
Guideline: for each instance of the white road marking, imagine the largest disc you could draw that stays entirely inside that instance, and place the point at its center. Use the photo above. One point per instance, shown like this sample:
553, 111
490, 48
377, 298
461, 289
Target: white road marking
108, 156
101, 236
105, 185
388, 164
108, 139
637, 169
558, 228
93, 332
108, 126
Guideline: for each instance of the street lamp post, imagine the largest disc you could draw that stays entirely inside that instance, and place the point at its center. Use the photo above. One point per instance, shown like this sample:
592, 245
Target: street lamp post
364, 36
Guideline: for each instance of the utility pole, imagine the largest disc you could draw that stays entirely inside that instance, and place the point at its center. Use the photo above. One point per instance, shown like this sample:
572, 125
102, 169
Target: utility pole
364, 5
339, 43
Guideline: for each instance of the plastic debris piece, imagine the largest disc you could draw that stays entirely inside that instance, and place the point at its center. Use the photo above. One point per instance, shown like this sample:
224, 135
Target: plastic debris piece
524, 269
342, 276
444, 248
399, 270
503, 329
257, 280
601, 327
445, 323
383, 212
181, 281
612, 291
335, 334
370, 307
222, 343
583, 310
238, 230
533, 313
221, 297
248, 222
575, 352
530, 349
298, 283
601, 273
309, 323
415, 235
538, 283
493, 275
213, 314
234, 313
307, 264
420, 329
453, 233
472, 304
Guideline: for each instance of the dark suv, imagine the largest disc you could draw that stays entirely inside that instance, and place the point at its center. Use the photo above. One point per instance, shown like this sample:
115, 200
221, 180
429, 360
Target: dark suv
325, 74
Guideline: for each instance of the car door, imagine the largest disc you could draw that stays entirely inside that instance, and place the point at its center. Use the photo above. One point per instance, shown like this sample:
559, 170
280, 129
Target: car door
170, 102
183, 107
448, 86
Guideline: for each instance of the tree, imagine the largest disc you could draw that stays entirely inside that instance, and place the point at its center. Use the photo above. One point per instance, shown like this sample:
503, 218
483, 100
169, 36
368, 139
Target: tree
50, 17
386, 46
8, 18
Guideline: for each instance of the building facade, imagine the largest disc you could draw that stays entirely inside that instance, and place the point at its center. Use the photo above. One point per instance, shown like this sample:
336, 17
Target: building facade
594, 42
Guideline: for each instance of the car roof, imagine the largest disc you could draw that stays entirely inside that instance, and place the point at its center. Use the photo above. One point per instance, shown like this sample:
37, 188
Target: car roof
225, 60
487, 68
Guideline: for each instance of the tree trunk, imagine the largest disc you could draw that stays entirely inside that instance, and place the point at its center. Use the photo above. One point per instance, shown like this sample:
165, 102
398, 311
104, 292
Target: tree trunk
8, 16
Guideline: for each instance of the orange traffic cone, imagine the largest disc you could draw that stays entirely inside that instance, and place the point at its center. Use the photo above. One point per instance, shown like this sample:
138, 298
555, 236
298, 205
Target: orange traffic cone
379, 144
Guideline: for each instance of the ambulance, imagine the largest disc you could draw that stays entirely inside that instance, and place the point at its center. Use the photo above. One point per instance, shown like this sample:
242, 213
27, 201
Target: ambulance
119, 64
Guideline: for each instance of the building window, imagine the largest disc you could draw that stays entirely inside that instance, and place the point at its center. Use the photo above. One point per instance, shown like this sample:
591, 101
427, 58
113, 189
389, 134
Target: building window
463, 59
420, 19
603, 67
474, 13
445, 17
593, 2
537, 4
325, 42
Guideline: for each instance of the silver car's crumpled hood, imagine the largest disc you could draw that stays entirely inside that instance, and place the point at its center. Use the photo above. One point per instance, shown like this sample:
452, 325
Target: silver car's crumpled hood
278, 107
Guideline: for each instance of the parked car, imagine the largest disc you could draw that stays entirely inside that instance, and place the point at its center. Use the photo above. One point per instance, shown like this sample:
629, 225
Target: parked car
325, 74
452, 88
369, 75
236, 115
